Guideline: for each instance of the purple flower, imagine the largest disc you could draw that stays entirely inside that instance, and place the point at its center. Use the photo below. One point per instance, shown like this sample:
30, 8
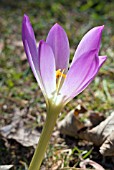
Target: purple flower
50, 60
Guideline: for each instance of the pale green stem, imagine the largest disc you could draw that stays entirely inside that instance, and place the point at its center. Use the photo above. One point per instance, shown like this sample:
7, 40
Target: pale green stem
52, 115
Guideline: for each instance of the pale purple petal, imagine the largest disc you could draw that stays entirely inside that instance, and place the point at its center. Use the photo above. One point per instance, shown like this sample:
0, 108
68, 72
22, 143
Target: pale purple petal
79, 74
30, 60
59, 43
47, 68
29, 43
91, 41
31, 50
102, 59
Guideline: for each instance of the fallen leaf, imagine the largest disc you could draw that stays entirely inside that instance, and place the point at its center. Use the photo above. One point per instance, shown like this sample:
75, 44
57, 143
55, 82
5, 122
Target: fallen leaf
70, 125
99, 134
25, 136
21, 132
107, 148
80, 109
5, 167
95, 118
92, 163
69, 168
56, 165
102, 135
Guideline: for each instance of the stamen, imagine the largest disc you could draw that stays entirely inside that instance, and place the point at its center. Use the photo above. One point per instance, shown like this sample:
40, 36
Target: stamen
60, 74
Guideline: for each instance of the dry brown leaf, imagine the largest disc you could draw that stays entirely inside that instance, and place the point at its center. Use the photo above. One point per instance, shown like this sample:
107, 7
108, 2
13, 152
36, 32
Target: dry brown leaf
95, 118
69, 168
107, 148
5, 167
20, 131
79, 109
56, 165
70, 125
102, 135
92, 163
26, 137
99, 134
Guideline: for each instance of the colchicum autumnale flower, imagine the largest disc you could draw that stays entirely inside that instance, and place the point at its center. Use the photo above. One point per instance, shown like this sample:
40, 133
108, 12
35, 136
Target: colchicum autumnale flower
49, 63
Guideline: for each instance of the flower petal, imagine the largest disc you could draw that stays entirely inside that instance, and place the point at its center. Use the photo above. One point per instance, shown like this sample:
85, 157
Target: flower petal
91, 41
47, 68
59, 43
31, 50
29, 40
102, 59
79, 74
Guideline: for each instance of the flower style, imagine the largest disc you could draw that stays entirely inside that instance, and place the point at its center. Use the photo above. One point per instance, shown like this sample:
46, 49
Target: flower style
49, 62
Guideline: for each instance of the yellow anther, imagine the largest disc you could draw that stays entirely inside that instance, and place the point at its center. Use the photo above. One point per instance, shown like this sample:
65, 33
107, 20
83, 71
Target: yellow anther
60, 74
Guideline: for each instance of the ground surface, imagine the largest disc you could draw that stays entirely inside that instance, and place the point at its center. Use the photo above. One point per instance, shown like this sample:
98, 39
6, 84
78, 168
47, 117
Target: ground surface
19, 91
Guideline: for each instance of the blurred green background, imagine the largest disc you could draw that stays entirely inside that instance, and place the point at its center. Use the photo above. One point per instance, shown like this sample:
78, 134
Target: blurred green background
18, 88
